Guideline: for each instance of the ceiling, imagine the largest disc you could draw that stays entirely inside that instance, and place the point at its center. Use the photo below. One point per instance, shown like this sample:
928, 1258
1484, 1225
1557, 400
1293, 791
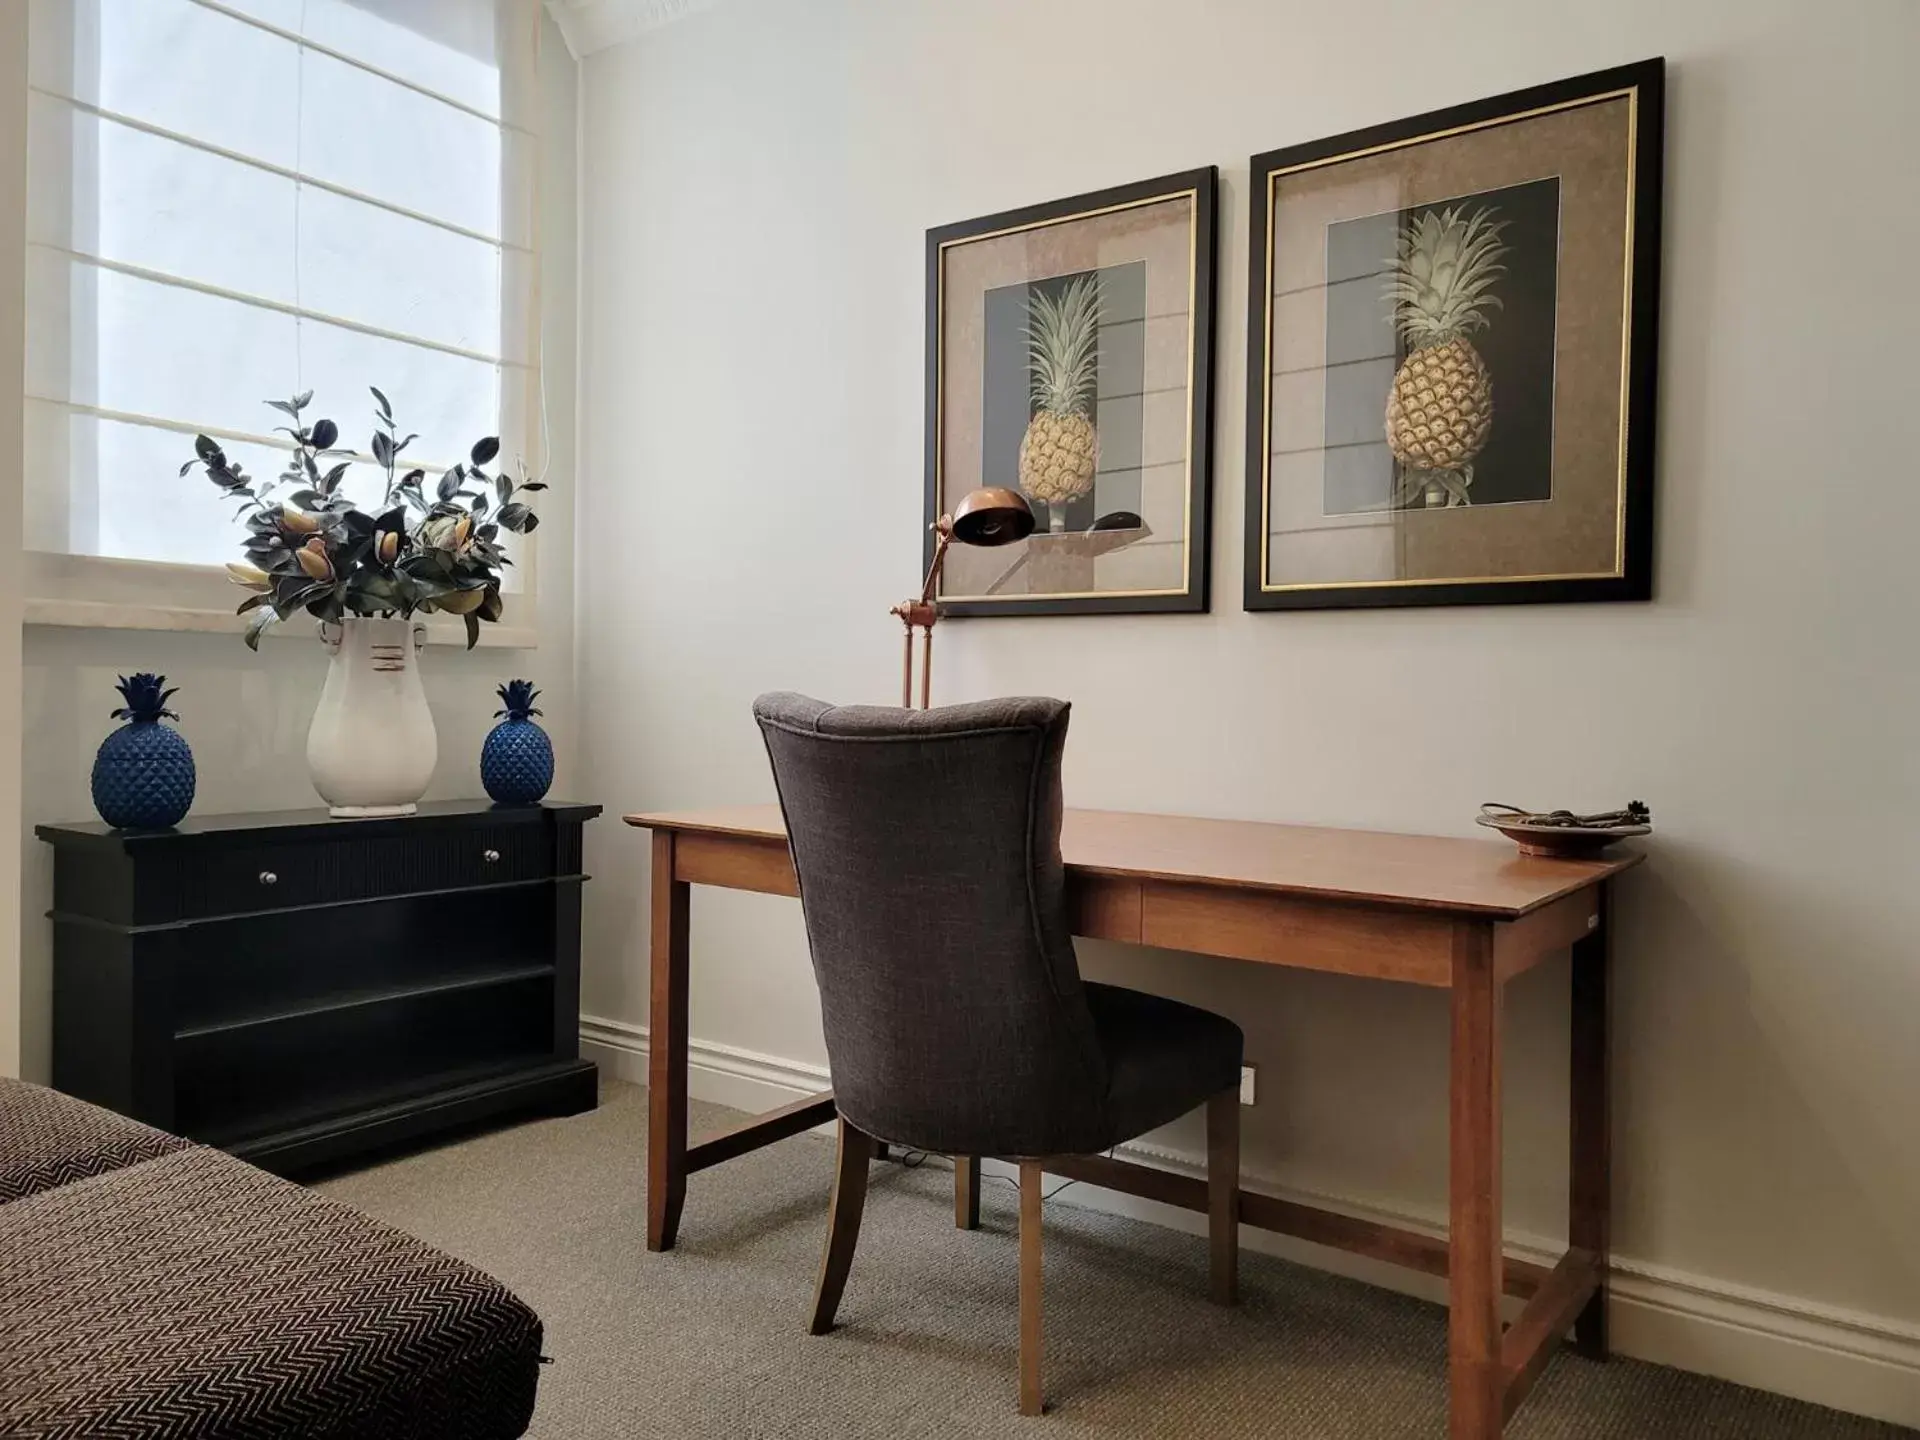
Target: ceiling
591, 25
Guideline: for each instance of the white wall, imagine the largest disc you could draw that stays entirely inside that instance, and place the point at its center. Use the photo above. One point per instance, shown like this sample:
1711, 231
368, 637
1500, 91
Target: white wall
246, 715
759, 178
13, 271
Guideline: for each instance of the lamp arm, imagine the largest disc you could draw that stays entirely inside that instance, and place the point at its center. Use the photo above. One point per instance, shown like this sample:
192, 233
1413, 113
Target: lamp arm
923, 612
939, 560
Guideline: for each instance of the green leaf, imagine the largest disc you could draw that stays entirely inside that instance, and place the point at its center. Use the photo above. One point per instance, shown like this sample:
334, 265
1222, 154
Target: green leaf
370, 590
381, 400
485, 450
423, 580
205, 448
256, 623
301, 401
473, 628
324, 433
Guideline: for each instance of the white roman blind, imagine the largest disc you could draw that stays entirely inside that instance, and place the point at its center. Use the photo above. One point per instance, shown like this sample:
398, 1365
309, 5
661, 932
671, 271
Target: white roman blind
236, 200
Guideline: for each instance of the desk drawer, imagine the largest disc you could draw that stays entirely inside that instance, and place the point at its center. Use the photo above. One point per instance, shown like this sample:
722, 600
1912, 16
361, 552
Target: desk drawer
270, 875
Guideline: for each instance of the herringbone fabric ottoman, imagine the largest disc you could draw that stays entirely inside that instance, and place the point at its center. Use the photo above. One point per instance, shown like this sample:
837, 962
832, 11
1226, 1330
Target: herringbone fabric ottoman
194, 1296
49, 1139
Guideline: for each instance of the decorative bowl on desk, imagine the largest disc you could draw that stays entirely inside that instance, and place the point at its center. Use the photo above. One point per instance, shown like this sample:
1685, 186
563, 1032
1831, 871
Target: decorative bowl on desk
1563, 835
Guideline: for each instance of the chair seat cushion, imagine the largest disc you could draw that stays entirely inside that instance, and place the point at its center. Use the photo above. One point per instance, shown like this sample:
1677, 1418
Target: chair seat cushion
48, 1139
195, 1296
1163, 1058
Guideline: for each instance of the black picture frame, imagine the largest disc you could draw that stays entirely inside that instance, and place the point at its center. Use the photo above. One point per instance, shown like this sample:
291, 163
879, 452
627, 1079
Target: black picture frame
1202, 184
1632, 576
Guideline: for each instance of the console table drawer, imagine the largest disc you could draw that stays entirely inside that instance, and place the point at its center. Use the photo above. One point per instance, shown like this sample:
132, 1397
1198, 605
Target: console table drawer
278, 877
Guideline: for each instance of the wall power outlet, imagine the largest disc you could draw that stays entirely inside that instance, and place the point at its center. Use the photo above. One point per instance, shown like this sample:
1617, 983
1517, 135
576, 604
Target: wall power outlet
1246, 1084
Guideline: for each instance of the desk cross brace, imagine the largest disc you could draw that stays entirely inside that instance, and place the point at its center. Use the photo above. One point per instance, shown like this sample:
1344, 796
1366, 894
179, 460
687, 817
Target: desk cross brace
1556, 1297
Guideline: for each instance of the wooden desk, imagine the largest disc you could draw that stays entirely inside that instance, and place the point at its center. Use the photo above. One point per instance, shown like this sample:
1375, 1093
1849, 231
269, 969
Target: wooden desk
1466, 915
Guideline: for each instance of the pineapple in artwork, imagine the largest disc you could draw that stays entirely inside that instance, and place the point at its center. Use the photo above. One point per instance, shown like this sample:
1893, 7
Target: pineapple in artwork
1440, 407
1061, 449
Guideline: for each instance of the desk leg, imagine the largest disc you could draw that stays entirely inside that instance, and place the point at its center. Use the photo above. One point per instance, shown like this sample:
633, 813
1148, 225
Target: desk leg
667, 1051
966, 1192
1591, 1187
1475, 1278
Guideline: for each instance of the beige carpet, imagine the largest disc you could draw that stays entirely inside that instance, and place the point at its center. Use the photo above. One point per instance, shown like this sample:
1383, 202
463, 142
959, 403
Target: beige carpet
710, 1343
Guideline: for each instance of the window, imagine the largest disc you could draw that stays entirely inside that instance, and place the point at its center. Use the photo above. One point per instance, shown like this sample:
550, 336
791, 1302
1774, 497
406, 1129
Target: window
234, 200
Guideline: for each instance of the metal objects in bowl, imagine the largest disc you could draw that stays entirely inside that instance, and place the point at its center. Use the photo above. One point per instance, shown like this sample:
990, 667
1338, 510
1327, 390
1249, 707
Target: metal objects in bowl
1563, 835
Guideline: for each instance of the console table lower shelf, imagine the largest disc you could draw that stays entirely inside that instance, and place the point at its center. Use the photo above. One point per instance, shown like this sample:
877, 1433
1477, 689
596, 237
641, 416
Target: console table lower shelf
302, 991
560, 1087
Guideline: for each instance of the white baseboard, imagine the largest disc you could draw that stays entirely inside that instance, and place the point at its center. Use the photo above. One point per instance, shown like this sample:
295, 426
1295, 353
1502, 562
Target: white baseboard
718, 1074
1865, 1364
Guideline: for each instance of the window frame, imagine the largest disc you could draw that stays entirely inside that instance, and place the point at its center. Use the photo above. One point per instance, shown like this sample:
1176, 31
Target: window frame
61, 589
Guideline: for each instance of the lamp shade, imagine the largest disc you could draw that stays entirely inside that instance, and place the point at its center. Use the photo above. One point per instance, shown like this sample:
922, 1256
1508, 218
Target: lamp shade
992, 516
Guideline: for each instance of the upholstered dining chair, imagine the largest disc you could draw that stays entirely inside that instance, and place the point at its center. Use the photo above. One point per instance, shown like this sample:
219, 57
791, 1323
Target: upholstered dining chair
927, 845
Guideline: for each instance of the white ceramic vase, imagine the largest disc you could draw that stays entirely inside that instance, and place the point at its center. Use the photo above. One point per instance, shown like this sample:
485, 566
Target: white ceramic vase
372, 748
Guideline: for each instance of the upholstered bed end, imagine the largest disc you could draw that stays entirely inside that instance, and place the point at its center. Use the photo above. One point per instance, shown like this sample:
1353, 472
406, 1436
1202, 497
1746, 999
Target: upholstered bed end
191, 1295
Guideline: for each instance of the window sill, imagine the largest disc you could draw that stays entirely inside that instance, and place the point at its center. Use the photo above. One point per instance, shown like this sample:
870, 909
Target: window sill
111, 615
99, 593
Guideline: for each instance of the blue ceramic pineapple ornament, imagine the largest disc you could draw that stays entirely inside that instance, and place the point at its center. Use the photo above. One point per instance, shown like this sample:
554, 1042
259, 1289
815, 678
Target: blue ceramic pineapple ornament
516, 763
143, 776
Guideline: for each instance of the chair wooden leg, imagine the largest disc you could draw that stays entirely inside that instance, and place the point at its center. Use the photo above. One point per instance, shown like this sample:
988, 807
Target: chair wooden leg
966, 1192
1223, 1196
1032, 1176
843, 1226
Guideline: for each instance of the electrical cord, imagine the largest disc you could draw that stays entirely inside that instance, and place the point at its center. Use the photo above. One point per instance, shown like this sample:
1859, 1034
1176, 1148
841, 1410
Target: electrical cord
914, 1159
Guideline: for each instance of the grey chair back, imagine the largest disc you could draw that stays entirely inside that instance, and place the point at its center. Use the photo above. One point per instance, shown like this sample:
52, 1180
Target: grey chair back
927, 845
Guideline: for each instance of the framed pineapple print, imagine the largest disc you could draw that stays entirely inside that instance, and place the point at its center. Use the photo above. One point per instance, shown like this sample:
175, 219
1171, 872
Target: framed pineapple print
1069, 358
1451, 354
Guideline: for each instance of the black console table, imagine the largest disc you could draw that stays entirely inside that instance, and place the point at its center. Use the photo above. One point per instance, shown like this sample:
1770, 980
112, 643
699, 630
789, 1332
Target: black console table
299, 990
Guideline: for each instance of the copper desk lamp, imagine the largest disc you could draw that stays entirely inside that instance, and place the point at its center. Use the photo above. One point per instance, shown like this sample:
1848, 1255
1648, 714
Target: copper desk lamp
990, 516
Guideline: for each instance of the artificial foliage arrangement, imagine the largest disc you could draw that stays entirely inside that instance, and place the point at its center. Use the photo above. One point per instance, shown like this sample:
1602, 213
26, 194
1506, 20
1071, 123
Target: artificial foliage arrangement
143, 775
425, 551
516, 762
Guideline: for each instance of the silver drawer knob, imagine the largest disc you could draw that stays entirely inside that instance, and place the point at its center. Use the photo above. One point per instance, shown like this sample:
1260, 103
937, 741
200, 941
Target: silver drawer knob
267, 877
492, 857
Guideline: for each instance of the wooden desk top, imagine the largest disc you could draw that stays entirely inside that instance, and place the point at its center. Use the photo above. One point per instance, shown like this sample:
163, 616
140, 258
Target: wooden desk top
1419, 872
